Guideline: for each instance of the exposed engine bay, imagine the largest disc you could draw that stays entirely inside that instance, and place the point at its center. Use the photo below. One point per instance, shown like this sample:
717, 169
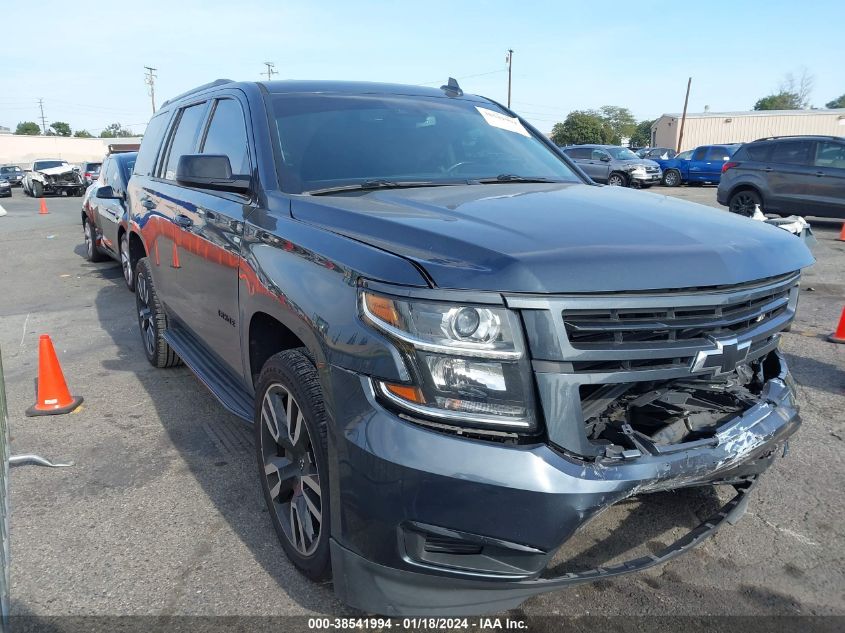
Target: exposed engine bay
671, 412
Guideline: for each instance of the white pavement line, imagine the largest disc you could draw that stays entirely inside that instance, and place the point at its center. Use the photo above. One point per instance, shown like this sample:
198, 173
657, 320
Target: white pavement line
797, 536
23, 336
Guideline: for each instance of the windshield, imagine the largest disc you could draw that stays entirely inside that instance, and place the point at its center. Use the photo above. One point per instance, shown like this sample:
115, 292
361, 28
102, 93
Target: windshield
47, 164
328, 141
621, 153
10, 170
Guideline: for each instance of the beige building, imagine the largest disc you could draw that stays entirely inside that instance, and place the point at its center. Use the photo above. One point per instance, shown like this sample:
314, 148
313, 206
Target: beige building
707, 128
22, 150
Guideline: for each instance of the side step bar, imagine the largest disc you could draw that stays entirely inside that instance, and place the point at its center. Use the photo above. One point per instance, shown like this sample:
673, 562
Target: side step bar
220, 381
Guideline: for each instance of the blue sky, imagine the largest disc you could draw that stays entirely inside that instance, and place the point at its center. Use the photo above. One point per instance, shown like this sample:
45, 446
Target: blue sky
88, 65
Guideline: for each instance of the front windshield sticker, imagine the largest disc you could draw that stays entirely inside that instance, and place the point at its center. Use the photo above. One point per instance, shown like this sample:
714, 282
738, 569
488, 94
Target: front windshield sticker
502, 121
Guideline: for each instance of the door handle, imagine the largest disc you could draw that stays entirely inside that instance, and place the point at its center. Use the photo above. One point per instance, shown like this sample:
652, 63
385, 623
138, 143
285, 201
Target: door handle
148, 204
184, 221
768, 169
819, 174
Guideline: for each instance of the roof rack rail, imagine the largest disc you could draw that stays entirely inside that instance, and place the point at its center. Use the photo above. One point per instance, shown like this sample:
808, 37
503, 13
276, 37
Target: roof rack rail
772, 138
212, 84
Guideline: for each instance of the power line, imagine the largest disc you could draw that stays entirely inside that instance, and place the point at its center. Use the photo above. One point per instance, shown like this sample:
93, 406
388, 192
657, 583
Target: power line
150, 80
271, 70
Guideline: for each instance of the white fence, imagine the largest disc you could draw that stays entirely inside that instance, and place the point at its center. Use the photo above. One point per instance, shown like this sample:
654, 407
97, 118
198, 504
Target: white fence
22, 150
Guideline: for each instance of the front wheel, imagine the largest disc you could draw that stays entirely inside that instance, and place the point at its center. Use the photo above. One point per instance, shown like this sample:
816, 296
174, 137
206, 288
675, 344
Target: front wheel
152, 319
37, 190
92, 252
290, 442
672, 178
616, 180
744, 202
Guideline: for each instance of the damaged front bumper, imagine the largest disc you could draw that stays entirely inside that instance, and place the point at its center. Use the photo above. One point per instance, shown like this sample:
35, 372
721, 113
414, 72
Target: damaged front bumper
427, 523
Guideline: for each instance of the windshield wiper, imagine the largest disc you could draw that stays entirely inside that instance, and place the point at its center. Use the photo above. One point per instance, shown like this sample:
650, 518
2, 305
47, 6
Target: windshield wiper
381, 183
513, 178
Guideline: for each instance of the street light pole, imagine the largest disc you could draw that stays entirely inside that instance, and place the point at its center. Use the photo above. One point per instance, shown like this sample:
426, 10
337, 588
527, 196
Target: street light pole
510, 65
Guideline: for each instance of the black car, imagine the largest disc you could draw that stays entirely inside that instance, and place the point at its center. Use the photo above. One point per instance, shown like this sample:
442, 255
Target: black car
104, 219
455, 348
788, 175
5, 188
12, 173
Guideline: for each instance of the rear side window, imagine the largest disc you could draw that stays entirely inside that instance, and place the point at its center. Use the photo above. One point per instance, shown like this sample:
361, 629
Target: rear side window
718, 153
791, 152
150, 144
578, 152
227, 136
184, 139
758, 152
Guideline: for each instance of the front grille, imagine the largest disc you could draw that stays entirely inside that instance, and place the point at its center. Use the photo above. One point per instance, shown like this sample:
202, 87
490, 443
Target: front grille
586, 329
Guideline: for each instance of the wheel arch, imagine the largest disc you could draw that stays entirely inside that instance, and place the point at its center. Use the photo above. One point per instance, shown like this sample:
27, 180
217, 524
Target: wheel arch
267, 336
137, 250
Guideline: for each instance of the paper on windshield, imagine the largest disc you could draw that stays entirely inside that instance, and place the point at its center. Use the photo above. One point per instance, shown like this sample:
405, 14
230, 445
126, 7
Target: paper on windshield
502, 121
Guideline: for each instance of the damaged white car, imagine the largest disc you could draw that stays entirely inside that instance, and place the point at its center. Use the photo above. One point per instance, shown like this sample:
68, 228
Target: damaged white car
52, 175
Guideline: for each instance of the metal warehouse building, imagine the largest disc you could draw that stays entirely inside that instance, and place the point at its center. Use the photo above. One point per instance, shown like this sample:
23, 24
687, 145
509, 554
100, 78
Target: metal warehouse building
706, 128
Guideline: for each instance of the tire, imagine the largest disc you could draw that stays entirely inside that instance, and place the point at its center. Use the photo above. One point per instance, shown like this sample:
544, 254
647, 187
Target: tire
293, 459
37, 189
672, 178
617, 180
742, 202
152, 320
126, 262
92, 252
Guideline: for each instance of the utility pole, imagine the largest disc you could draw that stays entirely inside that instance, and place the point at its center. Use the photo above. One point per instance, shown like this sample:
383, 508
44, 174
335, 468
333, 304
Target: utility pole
510, 64
43, 118
271, 70
683, 118
150, 80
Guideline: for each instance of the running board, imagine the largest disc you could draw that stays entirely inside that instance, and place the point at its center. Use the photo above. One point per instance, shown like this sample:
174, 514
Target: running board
219, 380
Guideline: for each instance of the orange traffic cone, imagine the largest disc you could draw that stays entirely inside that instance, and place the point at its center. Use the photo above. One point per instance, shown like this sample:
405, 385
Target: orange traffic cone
839, 335
842, 233
53, 394
43, 210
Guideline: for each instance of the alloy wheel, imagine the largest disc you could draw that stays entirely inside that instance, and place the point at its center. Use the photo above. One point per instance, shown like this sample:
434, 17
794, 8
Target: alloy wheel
743, 203
290, 469
671, 179
125, 262
146, 318
89, 239
615, 180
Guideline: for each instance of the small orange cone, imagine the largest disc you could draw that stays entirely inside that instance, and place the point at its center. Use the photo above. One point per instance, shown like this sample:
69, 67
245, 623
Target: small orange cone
839, 335
842, 233
43, 210
53, 394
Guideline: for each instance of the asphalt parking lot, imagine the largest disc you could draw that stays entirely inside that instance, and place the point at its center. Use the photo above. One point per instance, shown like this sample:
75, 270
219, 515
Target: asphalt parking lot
161, 513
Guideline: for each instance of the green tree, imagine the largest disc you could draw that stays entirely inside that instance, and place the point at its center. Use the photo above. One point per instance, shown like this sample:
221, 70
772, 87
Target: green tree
83, 134
839, 102
780, 101
28, 128
115, 130
620, 120
642, 134
60, 128
581, 127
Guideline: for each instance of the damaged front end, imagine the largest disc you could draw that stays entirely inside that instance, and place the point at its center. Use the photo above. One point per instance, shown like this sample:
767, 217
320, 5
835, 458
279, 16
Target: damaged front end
60, 179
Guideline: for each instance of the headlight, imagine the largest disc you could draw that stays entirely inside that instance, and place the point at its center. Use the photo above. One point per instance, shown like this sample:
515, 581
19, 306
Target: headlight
467, 362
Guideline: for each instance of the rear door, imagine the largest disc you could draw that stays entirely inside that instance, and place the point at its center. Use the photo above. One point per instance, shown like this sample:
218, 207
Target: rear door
792, 178
828, 190
714, 160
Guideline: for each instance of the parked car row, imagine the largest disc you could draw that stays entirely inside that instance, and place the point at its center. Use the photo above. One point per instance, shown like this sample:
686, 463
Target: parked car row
791, 175
405, 284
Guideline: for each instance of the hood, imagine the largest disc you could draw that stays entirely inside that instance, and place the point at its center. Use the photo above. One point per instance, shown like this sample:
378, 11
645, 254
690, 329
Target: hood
55, 171
559, 237
637, 161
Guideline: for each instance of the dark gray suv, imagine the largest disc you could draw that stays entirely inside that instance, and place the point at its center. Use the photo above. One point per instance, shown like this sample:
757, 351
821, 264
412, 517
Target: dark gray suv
455, 348
801, 175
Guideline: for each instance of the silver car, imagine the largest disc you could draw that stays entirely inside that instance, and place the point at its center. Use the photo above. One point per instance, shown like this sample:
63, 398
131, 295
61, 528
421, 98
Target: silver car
615, 166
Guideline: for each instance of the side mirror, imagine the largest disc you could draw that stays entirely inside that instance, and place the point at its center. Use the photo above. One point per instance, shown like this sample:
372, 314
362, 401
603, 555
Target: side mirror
210, 171
605, 158
106, 193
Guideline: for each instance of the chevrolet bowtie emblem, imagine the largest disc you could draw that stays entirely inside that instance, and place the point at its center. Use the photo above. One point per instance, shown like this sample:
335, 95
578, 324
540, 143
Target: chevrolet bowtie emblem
727, 354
